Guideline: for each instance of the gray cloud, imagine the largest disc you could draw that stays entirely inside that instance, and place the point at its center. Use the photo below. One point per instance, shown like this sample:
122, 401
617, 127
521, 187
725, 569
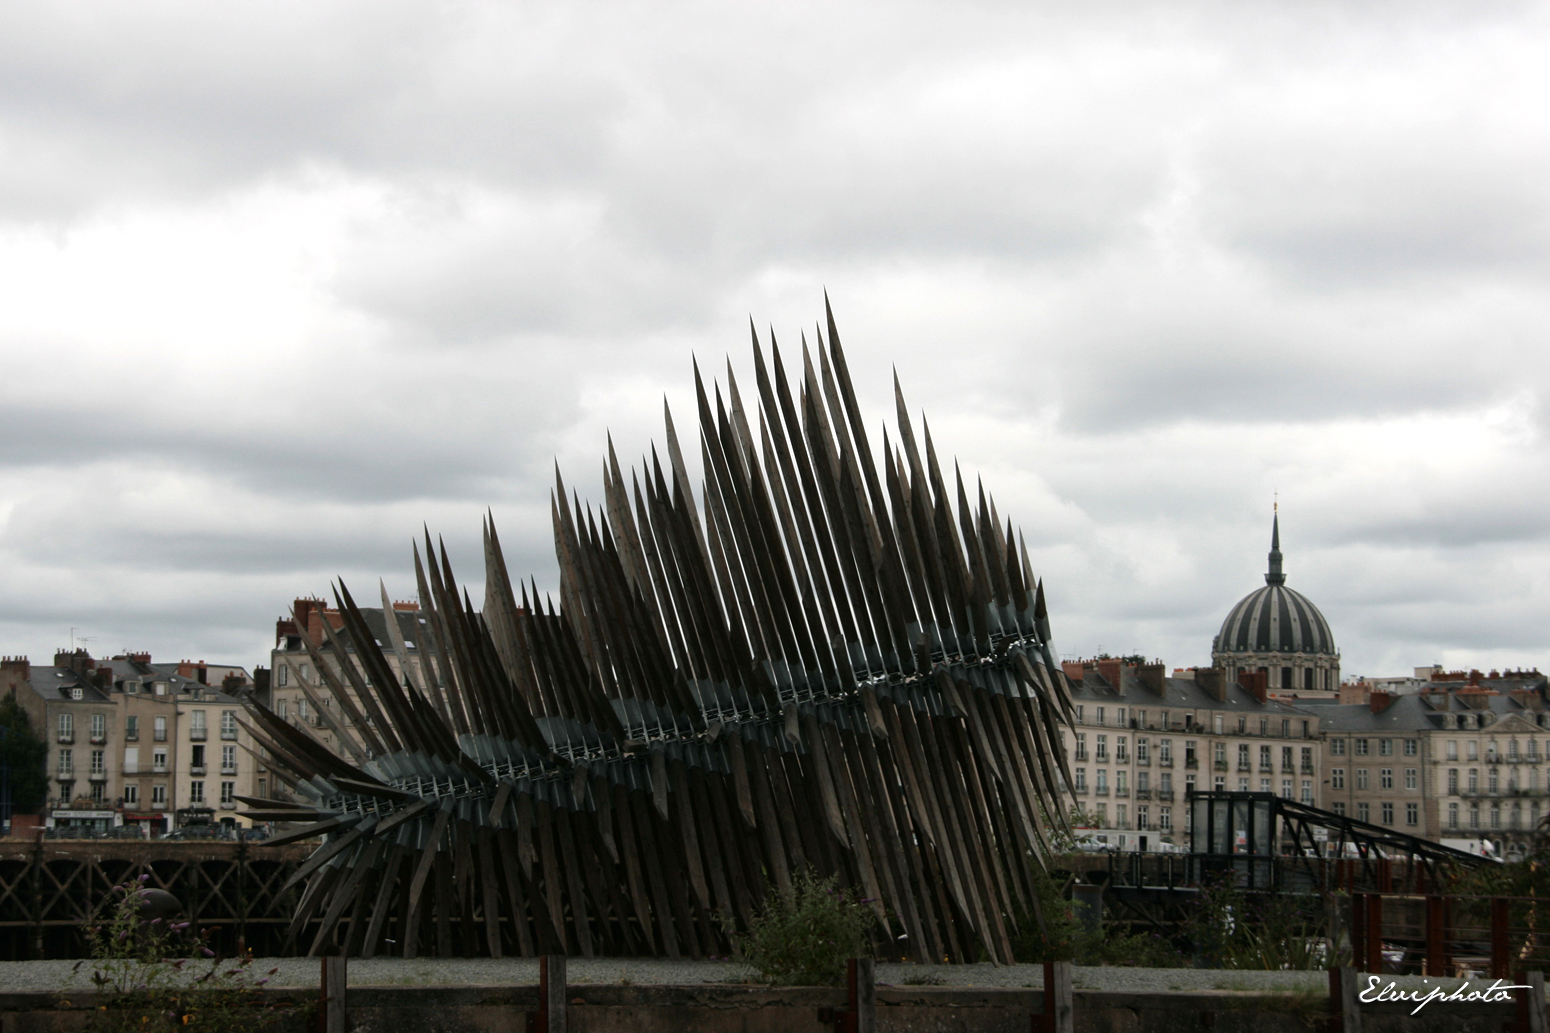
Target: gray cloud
279, 284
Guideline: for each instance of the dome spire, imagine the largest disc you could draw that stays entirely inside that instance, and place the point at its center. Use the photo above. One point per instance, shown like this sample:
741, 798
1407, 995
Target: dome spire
1274, 576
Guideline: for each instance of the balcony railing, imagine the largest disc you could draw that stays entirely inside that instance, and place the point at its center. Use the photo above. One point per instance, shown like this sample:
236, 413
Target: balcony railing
228, 769
1143, 794
1221, 765
131, 769
158, 769
65, 773
1121, 791
99, 776
98, 740
1245, 766
67, 738
1191, 762
1165, 795
197, 735
1165, 762
1101, 791
196, 769
229, 735
1306, 769
1081, 755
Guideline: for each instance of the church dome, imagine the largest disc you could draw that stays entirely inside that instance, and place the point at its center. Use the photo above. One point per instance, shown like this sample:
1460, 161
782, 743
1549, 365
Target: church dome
1275, 619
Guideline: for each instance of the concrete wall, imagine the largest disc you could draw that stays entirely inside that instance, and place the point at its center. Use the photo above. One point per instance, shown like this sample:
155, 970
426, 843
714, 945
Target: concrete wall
747, 1009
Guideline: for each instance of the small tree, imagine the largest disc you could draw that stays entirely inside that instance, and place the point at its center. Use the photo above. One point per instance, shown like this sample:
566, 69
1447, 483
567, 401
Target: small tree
26, 755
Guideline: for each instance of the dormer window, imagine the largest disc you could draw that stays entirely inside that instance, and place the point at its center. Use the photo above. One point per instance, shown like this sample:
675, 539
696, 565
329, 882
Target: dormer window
77, 693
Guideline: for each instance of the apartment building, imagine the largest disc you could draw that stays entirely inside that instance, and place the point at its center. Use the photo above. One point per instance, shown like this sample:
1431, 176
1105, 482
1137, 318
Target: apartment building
132, 742
298, 693
1143, 741
1464, 757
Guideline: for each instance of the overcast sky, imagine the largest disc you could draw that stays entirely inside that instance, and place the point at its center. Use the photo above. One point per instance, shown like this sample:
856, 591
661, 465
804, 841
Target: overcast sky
279, 283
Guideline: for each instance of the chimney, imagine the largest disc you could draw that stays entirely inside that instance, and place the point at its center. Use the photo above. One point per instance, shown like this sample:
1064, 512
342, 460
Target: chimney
1073, 671
105, 678
1151, 675
15, 671
1257, 682
140, 658
1379, 701
405, 605
1112, 671
1214, 681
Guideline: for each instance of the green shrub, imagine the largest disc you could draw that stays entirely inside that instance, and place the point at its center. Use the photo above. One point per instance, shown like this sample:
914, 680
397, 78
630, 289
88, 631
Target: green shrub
804, 939
1063, 938
150, 982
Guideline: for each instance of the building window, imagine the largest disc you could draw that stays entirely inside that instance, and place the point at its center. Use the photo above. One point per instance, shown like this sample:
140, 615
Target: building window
1081, 745
1474, 780
1474, 815
1493, 780
1081, 780
1121, 754
132, 727
98, 793
1412, 778
1143, 819
1143, 782
196, 792
228, 760
1338, 807
1102, 786
158, 795
1216, 724
1165, 819
159, 729
228, 724
131, 794
1100, 715
99, 727
301, 708
1121, 816
1264, 785
263, 787
1388, 814
131, 760
1102, 755
66, 761
1165, 782
1412, 747
1385, 778
99, 762
1165, 751
1363, 812
283, 676
66, 727
1412, 814
1307, 791
1219, 754
1453, 749
196, 724
1496, 815
1243, 757
1453, 815
1472, 750
1264, 759
1361, 747
1361, 778
1143, 752
1337, 778
228, 789
1453, 781
1385, 747
1286, 789
1337, 747
1307, 760
1120, 788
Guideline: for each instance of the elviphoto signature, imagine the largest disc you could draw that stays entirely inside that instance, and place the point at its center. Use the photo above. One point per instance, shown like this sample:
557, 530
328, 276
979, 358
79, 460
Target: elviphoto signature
1497, 992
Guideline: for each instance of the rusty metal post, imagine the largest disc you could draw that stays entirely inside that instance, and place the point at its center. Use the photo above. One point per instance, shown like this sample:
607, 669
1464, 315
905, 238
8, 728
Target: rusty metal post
1359, 931
551, 1014
1436, 936
1375, 932
1499, 949
1058, 1015
1345, 1015
331, 1012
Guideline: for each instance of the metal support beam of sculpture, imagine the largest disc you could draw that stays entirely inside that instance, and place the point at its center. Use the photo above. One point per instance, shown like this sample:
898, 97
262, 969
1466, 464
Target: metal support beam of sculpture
834, 662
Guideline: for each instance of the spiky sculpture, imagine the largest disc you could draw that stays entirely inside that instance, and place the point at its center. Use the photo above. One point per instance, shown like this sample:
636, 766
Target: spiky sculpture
826, 665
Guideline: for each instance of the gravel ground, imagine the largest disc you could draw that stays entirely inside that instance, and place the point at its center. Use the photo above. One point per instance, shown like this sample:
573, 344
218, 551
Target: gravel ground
16, 976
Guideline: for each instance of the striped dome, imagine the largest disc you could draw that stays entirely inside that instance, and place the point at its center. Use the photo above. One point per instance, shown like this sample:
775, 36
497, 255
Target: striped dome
1275, 619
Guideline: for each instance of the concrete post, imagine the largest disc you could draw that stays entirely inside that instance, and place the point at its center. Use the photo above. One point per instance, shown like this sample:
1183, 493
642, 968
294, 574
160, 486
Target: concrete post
1531, 1003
